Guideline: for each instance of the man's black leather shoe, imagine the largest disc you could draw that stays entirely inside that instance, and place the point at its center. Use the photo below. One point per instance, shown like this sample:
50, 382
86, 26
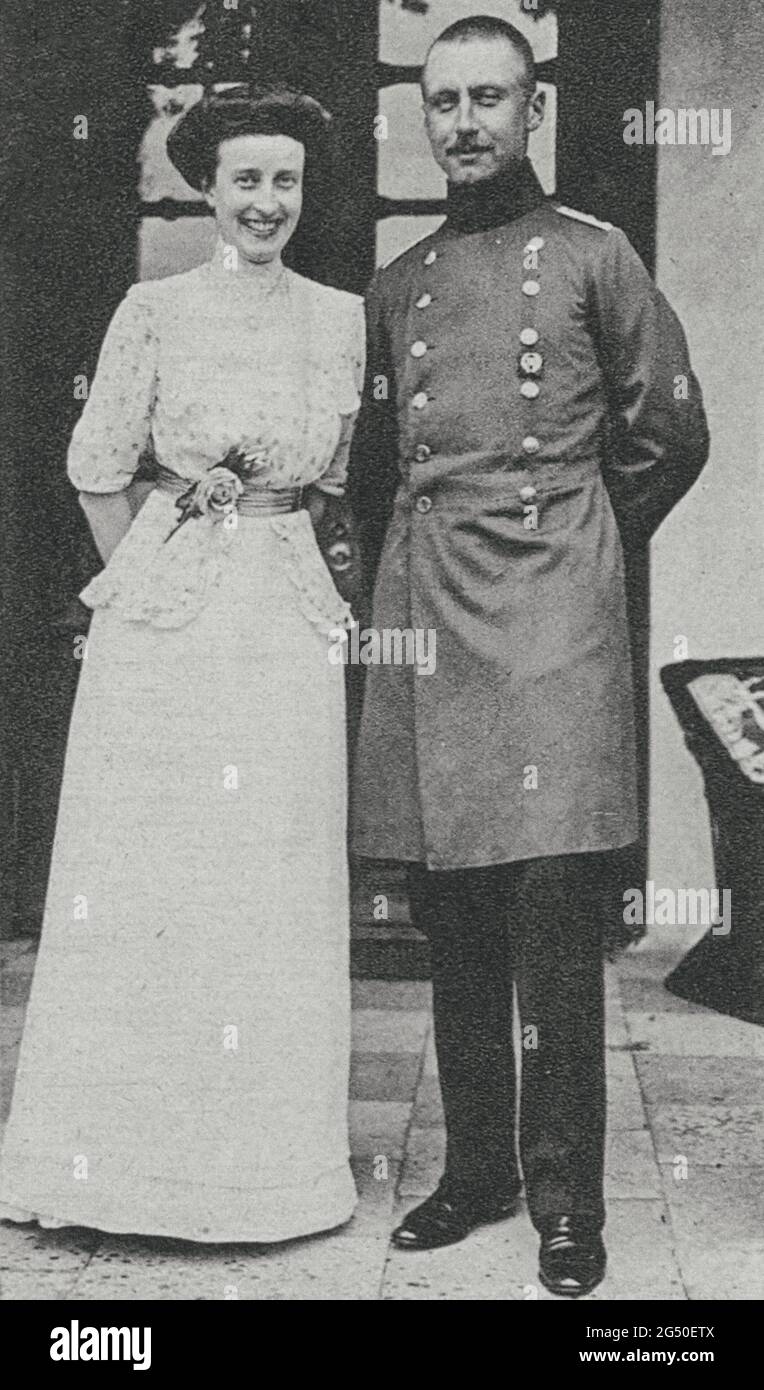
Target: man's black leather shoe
572, 1258
444, 1219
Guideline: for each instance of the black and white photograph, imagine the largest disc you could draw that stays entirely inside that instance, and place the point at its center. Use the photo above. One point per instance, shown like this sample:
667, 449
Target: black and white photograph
383, 647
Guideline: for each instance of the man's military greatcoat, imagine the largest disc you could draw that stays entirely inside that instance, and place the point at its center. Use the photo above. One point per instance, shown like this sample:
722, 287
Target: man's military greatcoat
529, 411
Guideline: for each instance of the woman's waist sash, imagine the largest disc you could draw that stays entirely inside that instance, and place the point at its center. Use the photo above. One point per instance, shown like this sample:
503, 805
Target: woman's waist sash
253, 500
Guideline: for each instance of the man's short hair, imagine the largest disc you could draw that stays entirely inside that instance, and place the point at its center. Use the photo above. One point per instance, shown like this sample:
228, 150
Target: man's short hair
484, 26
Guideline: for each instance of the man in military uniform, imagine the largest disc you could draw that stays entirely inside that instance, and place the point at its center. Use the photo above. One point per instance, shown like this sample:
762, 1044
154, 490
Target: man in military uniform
530, 412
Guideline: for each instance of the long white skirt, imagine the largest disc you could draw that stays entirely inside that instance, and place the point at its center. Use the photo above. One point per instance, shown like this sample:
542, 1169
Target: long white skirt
184, 1066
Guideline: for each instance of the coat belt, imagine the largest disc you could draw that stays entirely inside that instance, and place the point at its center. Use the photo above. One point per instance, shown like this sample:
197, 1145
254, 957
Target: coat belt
491, 480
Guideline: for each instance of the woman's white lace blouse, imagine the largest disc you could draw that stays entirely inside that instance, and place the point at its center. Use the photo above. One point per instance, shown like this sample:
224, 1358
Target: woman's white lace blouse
191, 367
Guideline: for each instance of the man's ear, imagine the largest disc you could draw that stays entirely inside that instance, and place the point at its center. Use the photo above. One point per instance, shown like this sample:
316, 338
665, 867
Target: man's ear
536, 110
208, 194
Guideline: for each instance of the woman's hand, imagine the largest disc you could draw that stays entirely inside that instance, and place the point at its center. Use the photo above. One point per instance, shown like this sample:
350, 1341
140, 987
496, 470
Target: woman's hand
109, 517
315, 501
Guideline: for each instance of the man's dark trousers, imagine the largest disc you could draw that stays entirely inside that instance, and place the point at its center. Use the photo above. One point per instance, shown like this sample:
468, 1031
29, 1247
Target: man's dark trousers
537, 923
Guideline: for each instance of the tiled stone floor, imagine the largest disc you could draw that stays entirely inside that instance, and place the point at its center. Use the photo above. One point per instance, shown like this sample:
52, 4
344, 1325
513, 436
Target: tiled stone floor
685, 1172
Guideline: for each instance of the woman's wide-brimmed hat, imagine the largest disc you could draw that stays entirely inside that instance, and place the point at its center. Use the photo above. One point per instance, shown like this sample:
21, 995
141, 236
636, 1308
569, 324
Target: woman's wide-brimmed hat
244, 109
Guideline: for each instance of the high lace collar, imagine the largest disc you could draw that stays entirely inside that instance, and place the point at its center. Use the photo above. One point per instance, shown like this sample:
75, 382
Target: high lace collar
251, 285
493, 202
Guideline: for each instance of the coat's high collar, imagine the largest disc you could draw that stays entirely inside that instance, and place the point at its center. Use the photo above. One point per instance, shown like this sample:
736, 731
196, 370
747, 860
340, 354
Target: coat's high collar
493, 202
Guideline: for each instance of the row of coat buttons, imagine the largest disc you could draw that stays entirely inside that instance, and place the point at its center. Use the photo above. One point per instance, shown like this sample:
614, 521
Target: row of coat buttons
419, 401
422, 452
531, 364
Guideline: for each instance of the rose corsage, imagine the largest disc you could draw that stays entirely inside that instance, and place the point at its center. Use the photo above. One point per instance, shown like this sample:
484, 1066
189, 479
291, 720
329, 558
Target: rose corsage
216, 495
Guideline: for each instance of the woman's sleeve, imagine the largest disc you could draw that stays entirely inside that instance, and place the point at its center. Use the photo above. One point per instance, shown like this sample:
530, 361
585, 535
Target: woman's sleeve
351, 368
113, 429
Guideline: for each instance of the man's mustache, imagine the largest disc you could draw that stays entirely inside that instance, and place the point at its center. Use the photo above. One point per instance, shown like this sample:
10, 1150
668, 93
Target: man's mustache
468, 147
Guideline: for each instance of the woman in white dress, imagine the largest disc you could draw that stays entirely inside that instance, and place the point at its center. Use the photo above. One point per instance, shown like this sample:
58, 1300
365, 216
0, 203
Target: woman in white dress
185, 1059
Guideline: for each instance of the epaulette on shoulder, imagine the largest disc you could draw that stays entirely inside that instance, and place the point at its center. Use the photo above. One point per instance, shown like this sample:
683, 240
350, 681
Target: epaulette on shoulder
583, 217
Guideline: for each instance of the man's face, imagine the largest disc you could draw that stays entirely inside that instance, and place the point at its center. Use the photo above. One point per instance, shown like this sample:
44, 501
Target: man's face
478, 111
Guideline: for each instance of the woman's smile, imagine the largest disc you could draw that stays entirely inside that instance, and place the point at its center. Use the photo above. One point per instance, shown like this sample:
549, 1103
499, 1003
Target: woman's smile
264, 228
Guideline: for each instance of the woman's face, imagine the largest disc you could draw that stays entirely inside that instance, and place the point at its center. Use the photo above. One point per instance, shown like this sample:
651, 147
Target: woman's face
257, 193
